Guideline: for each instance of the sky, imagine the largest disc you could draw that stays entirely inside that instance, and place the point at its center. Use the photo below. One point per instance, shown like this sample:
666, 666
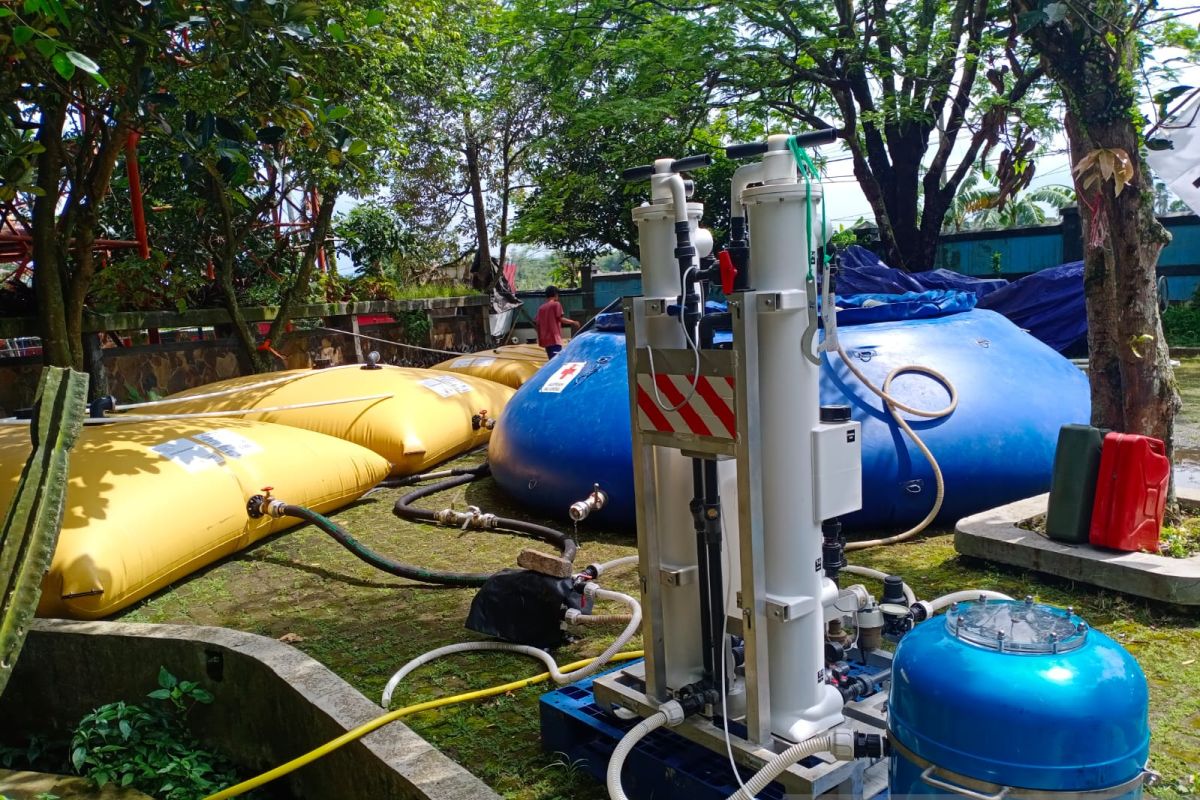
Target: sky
846, 203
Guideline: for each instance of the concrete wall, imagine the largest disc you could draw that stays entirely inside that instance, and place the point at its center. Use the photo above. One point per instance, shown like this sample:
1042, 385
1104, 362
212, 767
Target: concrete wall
272, 703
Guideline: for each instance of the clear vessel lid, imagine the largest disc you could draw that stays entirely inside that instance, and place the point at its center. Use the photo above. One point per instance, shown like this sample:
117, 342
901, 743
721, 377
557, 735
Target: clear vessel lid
1012, 626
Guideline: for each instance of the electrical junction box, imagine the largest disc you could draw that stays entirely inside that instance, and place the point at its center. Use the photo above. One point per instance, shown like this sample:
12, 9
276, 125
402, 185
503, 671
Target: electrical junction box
837, 469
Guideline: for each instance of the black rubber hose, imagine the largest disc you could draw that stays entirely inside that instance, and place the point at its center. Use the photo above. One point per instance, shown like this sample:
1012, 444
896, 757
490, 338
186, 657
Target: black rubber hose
405, 510
343, 537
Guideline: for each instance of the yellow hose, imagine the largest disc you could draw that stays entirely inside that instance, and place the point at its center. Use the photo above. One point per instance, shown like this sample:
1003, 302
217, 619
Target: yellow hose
894, 406
392, 716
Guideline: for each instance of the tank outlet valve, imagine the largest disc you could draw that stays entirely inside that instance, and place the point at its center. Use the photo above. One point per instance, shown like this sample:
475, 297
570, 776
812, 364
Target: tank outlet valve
595, 501
482, 421
264, 505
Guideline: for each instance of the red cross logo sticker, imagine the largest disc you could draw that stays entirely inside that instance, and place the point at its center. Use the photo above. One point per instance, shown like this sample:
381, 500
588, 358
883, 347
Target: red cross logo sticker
569, 369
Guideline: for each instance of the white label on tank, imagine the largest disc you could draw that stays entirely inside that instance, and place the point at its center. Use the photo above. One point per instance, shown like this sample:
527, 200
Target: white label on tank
446, 386
473, 361
563, 377
192, 456
230, 443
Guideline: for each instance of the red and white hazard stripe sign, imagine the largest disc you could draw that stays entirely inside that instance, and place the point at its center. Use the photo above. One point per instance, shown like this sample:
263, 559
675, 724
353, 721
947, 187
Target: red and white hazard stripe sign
708, 411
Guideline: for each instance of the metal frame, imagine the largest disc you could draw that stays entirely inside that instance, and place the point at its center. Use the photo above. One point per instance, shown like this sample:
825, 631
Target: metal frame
851, 779
742, 363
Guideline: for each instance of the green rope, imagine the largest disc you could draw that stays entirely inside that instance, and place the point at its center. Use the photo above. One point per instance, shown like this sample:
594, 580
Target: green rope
808, 171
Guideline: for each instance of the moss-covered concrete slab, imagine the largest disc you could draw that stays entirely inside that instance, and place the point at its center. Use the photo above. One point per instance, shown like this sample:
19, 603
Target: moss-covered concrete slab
994, 535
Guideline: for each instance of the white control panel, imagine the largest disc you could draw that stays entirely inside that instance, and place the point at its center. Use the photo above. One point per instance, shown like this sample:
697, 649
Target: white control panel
837, 467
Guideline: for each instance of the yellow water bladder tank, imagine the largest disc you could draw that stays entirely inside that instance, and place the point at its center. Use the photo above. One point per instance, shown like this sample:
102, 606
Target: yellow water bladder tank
510, 364
150, 502
418, 417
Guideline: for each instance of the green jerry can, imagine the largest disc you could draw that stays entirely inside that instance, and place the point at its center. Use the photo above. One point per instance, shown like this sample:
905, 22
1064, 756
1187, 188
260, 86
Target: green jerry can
1073, 485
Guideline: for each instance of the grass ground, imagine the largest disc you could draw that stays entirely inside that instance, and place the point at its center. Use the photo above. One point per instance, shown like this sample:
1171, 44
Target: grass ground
364, 625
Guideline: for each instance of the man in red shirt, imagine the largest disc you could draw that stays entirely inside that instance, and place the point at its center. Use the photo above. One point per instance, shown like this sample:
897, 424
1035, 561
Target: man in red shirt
549, 322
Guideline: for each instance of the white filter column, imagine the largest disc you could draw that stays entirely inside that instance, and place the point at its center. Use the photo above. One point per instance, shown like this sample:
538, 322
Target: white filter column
802, 703
684, 659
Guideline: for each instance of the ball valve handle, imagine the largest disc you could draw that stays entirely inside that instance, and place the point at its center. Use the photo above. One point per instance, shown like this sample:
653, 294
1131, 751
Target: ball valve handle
687, 164
810, 139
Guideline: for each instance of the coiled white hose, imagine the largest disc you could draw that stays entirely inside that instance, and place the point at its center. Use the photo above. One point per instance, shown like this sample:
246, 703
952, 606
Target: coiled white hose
777, 765
894, 407
635, 623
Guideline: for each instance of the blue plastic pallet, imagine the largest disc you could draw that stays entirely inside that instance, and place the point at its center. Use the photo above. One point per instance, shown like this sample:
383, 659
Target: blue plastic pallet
663, 765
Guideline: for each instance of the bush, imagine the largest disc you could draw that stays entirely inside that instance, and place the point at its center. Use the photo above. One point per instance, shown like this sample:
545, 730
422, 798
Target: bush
151, 749
1181, 325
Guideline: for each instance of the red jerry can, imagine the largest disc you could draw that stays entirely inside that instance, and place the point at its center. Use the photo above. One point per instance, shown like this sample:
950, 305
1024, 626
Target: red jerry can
1131, 493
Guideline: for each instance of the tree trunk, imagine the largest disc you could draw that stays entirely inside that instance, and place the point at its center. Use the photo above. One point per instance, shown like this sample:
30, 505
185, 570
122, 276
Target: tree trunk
316, 241
48, 281
485, 279
1132, 383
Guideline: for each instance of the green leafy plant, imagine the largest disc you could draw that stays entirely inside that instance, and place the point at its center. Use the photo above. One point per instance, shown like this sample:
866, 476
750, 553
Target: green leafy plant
1181, 325
151, 749
1182, 541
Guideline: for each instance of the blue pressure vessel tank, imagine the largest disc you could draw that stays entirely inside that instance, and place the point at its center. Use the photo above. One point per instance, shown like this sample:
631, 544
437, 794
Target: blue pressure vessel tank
1005, 693
568, 427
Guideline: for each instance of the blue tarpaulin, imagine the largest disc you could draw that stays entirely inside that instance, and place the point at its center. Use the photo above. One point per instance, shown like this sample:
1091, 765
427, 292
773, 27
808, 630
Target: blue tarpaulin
863, 273
860, 309
1049, 304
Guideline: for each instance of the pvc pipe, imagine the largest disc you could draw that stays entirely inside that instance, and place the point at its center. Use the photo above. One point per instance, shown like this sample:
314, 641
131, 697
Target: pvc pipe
557, 676
867, 572
680, 649
616, 762
802, 703
743, 176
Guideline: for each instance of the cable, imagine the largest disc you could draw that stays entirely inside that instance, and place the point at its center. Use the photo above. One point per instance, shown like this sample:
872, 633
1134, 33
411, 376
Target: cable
658, 401
246, 387
392, 716
724, 679
558, 675
894, 407
389, 341
213, 414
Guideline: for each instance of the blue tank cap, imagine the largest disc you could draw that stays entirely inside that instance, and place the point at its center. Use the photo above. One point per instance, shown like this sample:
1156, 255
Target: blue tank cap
1020, 694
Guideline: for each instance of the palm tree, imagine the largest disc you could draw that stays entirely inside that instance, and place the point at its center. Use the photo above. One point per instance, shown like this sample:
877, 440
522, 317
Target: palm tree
977, 205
